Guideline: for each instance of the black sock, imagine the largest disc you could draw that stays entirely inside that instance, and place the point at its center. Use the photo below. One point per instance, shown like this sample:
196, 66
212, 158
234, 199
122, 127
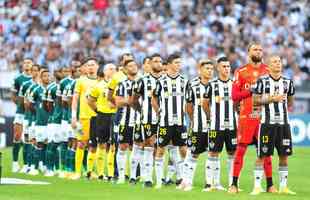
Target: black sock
269, 182
235, 181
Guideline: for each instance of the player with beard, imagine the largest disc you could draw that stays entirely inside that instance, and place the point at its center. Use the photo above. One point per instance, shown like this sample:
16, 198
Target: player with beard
127, 117
249, 114
142, 97
19, 116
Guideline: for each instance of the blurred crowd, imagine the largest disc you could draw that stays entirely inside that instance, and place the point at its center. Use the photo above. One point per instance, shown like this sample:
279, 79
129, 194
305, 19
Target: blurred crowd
55, 32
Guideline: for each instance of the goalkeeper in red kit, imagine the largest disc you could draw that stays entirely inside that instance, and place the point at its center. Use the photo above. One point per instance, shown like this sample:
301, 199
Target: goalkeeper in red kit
249, 115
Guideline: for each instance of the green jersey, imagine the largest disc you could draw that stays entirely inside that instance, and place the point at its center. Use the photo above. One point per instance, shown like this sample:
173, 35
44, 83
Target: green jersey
37, 101
68, 93
60, 93
28, 94
18, 82
56, 115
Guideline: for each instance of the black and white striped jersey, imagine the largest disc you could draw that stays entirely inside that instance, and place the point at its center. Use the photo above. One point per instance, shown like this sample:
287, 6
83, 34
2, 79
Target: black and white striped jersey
170, 92
222, 113
195, 94
276, 112
144, 88
128, 113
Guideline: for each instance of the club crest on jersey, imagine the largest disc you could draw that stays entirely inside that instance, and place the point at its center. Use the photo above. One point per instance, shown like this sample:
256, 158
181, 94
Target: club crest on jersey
265, 149
211, 144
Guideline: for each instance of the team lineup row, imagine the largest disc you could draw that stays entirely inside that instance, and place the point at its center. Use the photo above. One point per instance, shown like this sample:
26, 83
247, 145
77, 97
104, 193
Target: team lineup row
111, 111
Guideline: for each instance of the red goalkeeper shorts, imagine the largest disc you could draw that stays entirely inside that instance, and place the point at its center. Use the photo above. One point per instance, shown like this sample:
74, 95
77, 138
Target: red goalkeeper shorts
247, 131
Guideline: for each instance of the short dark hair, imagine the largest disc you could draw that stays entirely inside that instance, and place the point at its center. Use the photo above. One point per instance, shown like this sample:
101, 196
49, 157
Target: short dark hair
173, 57
222, 59
89, 59
127, 62
36, 65
121, 59
155, 55
44, 70
100, 71
145, 59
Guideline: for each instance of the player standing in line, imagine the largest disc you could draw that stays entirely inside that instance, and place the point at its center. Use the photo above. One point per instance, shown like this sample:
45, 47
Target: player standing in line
222, 125
274, 93
118, 77
198, 128
19, 116
98, 101
55, 137
127, 118
249, 116
169, 104
36, 99
144, 89
82, 89
23, 95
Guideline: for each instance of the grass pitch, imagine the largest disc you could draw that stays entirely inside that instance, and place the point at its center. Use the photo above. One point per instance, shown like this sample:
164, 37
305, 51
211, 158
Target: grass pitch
299, 181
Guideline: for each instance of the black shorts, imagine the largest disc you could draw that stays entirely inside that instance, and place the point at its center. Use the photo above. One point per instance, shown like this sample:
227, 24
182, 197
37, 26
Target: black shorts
149, 130
218, 138
198, 142
137, 135
175, 134
92, 132
275, 136
125, 134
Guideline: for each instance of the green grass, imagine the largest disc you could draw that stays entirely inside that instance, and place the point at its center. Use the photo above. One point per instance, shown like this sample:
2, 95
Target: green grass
299, 181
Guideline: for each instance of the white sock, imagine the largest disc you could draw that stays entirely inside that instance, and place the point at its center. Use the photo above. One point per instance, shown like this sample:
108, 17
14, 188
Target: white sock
159, 168
191, 170
170, 171
186, 167
208, 172
148, 160
283, 175
179, 165
134, 161
258, 175
121, 163
230, 160
216, 171
142, 170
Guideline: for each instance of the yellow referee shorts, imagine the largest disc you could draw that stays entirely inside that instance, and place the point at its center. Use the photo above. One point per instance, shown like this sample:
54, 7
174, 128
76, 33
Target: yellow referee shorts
85, 123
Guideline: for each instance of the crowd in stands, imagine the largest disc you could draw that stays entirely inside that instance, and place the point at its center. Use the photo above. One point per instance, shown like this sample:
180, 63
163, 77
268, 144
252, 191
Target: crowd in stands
55, 32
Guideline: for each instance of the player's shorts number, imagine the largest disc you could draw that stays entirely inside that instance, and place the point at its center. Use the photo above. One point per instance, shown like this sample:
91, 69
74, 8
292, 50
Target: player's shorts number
212, 134
265, 139
194, 139
147, 126
162, 131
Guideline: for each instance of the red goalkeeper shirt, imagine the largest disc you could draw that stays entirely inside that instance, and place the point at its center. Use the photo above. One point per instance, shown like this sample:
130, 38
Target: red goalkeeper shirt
246, 76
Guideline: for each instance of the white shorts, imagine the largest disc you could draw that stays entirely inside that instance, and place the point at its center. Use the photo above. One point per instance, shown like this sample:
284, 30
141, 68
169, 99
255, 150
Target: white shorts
31, 131
67, 128
41, 133
55, 133
19, 119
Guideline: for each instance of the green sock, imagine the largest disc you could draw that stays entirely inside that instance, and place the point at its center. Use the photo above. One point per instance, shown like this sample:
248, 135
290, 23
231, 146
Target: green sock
26, 152
15, 150
30, 155
63, 152
36, 157
50, 156
56, 157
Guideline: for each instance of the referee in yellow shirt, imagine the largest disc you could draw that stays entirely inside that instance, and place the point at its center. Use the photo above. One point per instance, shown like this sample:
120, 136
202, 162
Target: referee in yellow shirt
82, 89
98, 101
